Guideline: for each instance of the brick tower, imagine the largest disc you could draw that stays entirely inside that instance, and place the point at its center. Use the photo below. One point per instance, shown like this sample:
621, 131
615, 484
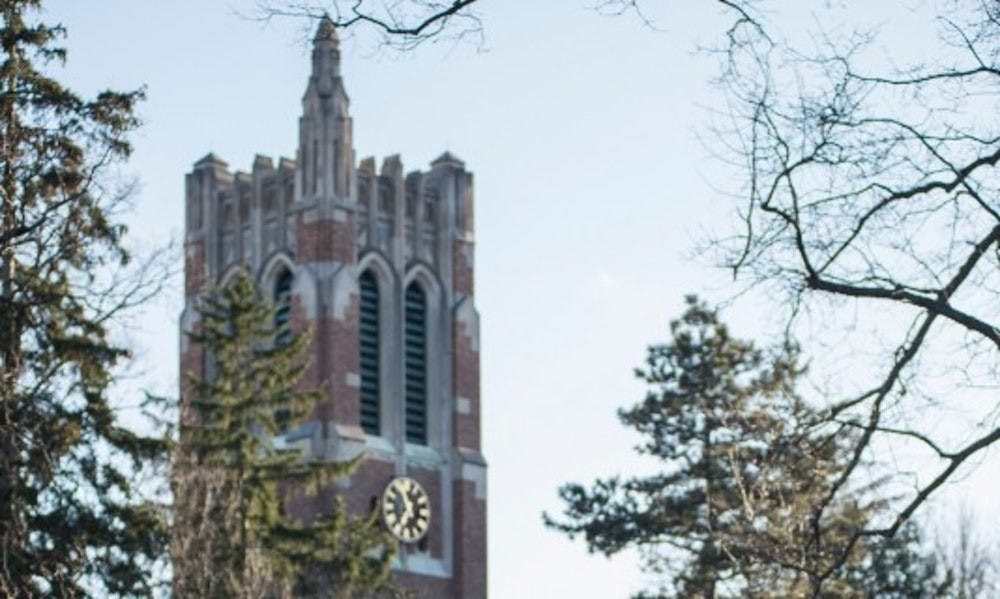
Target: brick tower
380, 265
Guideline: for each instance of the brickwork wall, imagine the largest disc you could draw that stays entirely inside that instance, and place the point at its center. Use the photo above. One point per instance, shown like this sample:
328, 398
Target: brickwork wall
465, 374
192, 359
340, 351
470, 541
326, 240
192, 363
430, 480
366, 485
194, 268
361, 492
323, 242
427, 587
462, 275
300, 323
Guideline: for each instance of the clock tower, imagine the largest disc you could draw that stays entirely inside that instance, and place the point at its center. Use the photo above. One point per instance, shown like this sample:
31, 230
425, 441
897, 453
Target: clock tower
378, 263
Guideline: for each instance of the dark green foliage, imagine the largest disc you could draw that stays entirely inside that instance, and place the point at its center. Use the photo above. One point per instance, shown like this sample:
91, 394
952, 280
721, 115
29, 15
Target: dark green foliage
895, 568
72, 518
232, 535
731, 512
714, 411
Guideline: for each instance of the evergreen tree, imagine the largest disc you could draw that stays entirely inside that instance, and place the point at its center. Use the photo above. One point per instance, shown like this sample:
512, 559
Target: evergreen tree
72, 517
897, 568
730, 512
232, 536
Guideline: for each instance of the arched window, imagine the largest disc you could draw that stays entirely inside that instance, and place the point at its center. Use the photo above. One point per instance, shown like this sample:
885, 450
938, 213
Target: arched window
368, 337
415, 342
283, 302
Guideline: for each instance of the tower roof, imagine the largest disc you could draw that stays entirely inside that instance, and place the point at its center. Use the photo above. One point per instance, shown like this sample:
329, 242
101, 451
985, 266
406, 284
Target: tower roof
210, 159
448, 159
326, 31
325, 77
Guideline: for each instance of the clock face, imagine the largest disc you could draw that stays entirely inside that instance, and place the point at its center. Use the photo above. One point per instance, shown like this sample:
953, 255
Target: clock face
406, 510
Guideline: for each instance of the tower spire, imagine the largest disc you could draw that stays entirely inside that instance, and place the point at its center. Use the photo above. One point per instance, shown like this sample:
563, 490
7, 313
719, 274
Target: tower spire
325, 56
327, 29
326, 155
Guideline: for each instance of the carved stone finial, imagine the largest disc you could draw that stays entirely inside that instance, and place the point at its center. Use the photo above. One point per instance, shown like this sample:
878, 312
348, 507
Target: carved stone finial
447, 159
327, 31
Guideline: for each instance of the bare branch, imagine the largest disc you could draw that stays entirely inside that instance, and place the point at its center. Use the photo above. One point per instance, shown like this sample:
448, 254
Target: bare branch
877, 183
403, 25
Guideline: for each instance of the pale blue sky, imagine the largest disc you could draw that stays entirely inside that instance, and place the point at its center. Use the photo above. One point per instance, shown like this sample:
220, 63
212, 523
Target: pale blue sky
592, 189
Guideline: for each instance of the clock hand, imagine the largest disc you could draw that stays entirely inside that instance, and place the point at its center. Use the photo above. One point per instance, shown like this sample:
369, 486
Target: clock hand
407, 507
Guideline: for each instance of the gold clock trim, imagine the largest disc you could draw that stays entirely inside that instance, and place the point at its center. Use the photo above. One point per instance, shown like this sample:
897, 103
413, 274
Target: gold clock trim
405, 509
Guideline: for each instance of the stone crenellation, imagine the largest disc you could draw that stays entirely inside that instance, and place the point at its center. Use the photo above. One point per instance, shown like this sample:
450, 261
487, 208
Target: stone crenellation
246, 218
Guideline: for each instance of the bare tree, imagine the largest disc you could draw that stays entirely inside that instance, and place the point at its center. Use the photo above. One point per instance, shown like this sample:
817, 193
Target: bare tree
726, 514
405, 24
872, 184
401, 24
971, 561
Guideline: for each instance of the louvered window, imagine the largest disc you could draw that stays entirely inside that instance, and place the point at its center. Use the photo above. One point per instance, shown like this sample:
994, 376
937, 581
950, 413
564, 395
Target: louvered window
283, 302
282, 314
369, 343
416, 364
